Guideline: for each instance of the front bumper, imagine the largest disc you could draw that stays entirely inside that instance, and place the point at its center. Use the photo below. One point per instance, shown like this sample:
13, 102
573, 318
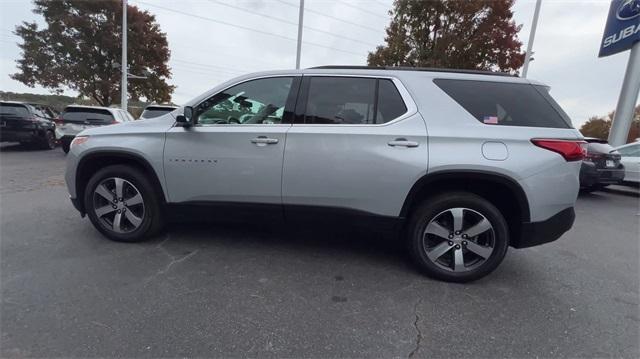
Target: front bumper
537, 233
591, 175
77, 206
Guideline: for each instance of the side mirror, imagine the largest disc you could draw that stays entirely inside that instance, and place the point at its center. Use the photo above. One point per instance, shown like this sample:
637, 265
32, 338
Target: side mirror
186, 119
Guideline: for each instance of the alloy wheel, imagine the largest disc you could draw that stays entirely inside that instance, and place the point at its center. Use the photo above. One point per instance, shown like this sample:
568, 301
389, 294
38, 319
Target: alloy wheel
459, 239
118, 205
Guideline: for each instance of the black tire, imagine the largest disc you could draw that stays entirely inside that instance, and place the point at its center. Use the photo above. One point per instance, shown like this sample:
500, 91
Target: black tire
152, 221
434, 207
592, 188
66, 146
49, 141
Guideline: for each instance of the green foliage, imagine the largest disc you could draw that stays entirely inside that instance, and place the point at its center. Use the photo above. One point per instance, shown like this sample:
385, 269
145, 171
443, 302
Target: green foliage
479, 35
599, 126
80, 49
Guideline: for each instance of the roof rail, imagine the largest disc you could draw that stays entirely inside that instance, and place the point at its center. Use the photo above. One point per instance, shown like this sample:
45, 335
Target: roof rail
408, 68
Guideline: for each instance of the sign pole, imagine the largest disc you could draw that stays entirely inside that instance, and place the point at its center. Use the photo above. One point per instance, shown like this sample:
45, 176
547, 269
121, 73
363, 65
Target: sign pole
123, 64
532, 36
300, 21
627, 102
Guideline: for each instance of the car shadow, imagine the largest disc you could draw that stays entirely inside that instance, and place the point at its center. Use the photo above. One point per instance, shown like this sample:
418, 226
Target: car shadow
17, 147
381, 248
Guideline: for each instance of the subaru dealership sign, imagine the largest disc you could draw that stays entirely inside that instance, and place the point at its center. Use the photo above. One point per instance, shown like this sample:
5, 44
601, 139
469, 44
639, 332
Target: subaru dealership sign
623, 27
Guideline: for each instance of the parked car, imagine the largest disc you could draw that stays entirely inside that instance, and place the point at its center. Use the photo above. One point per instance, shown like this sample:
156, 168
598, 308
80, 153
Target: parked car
601, 166
76, 118
28, 124
463, 164
630, 159
153, 111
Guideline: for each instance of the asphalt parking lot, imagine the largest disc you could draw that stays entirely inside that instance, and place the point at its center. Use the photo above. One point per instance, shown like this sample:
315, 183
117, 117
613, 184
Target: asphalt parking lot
239, 291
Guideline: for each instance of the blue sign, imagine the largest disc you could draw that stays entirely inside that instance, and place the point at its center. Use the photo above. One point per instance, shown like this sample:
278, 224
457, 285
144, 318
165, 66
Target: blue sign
623, 27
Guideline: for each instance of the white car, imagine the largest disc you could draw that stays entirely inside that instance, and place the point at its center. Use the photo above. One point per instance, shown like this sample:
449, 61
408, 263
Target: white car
77, 118
631, 160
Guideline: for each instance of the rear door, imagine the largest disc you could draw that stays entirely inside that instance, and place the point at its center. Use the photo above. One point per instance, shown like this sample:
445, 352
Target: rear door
358, 145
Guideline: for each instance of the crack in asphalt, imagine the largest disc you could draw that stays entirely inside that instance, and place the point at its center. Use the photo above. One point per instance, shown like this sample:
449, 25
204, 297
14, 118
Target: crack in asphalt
417, 328
174, 259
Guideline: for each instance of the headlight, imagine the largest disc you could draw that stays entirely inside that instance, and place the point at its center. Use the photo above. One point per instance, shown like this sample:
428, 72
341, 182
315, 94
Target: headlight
78, 140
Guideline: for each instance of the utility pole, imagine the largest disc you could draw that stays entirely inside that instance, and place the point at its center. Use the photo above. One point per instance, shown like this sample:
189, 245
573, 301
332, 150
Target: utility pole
532, 36
627, 101
300, 21
123, 65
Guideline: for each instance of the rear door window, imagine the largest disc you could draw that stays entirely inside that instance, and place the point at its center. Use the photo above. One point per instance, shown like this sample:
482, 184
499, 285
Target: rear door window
352, 100
92, 116
506, 104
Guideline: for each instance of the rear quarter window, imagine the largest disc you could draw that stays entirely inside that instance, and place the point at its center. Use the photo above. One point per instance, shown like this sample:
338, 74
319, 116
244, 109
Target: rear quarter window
93, 116
506, 104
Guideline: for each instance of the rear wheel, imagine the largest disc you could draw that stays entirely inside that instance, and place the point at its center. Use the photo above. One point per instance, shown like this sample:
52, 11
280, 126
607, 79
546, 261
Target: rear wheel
122, 204
458, 237
49, 141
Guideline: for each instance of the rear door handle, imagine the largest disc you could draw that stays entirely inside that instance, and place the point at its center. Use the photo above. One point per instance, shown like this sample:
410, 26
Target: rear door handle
264, 140
402, 142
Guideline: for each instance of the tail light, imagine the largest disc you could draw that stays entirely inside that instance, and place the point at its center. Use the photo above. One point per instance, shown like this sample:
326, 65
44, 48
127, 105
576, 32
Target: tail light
78, 140
593, 156
58, 120
571, 150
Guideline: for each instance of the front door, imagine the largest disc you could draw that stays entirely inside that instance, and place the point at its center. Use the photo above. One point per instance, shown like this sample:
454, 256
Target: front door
234, 151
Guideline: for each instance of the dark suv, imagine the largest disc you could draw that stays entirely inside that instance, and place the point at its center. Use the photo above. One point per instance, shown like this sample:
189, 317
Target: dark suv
601, 166
28, 124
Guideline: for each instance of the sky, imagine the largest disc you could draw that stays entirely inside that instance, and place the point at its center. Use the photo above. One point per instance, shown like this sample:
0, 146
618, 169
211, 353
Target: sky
214, 40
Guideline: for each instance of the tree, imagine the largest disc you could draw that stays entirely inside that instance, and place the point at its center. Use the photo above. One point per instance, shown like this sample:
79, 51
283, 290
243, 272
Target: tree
80, 49
478, 35
599, 126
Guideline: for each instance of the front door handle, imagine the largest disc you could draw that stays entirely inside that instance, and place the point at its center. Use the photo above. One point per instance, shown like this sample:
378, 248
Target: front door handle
402, 142
264, 140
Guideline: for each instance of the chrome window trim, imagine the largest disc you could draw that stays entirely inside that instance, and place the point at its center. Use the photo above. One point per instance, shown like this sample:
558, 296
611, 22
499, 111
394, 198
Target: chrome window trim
411, 106
223, 125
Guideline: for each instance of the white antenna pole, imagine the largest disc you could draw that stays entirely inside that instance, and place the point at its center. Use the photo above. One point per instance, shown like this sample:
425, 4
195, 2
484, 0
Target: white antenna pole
300, 21
532, 36
123, 64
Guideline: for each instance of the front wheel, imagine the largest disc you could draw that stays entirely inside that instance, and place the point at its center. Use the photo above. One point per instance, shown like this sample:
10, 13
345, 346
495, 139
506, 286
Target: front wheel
458, 237
122, 204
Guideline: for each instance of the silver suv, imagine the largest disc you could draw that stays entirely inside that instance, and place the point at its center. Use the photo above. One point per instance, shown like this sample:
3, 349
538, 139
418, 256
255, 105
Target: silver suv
462, 164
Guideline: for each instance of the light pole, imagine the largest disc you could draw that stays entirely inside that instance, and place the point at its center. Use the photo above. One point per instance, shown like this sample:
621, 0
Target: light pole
300, 21
627, 101
123, 64
532, 36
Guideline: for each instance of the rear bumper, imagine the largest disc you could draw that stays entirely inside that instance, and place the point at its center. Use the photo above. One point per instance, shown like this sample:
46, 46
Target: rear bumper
591, 175
537, 233
19, 135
